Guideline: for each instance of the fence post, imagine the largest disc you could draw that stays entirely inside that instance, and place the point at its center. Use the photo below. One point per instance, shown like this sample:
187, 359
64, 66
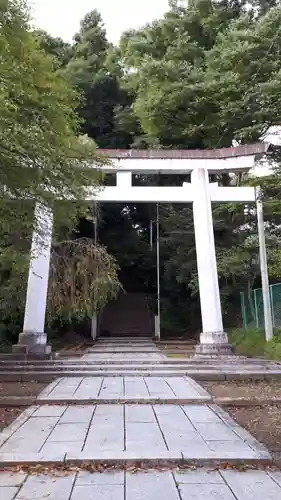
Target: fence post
264, 272
243, 307
272, 305
256, 309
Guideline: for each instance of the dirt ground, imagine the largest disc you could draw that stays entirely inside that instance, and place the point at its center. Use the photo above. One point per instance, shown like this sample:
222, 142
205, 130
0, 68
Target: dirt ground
262, 422
8, 415
249, 389
20, 388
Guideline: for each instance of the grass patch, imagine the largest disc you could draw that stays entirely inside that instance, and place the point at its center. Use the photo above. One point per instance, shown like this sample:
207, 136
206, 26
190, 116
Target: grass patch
252, 343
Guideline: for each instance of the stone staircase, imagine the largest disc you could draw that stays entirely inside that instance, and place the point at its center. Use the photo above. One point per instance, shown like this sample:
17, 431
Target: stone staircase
129, 316
130, 357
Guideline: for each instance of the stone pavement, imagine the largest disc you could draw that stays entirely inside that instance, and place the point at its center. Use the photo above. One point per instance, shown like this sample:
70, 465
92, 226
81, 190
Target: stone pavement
114, 389
161, 432
177, 485
99, 420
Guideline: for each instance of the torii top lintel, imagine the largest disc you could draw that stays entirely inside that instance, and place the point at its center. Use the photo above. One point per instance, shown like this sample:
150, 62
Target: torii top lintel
181, 161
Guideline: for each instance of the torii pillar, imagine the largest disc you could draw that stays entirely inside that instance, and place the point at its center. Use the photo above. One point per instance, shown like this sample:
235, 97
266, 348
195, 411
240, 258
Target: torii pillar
213, 339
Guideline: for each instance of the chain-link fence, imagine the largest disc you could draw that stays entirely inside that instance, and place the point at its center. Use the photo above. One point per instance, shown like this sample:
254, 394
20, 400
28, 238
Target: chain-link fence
252, 307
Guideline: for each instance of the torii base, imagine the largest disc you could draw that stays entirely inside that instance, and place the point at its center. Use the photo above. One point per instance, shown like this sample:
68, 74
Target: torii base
214, 344
32, 343
214, 350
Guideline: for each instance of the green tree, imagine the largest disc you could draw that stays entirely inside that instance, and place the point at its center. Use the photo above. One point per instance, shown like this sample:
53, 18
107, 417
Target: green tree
55, 46
40, 151
203, 79
94, 70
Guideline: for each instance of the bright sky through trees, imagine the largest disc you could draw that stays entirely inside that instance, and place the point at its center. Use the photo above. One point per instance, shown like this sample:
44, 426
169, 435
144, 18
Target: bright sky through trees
61, 17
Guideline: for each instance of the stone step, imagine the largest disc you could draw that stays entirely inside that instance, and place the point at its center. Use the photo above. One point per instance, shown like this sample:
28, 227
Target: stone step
86, 401
175, 342
117, 349
126, 343
132, 361
200, 374
96, 367
105, 340
145, 459
100, 361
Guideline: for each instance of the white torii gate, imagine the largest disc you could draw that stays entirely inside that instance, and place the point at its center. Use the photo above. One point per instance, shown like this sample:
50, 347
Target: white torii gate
125, 163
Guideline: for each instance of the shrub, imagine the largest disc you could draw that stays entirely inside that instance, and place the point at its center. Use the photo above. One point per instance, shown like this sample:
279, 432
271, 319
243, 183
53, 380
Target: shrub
252, 343
248, 342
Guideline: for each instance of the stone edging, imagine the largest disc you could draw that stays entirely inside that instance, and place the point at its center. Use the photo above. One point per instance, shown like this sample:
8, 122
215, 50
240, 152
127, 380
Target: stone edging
248, 402
17, 401
125, 458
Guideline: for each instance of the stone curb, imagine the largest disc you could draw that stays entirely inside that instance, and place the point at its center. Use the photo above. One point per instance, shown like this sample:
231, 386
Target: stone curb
125, 458
8, 401
16, 401
199, 375
122, 401
247, 402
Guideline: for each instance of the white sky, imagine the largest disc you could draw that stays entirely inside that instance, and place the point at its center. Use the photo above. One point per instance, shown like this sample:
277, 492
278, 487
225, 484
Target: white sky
61, 17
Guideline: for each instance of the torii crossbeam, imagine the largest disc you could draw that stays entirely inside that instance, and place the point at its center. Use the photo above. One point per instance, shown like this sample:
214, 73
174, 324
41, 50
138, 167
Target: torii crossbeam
200, 192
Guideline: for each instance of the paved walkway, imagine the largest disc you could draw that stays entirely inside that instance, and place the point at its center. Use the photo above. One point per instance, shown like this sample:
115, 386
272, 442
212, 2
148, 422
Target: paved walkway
88, 419
182, 485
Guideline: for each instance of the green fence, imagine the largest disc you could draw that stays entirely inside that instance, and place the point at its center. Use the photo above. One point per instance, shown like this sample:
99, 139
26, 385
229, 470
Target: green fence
252, 307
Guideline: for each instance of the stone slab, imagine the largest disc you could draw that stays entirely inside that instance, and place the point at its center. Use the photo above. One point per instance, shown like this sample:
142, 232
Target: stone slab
50, 487
85, 478
199, 476
100, 492
77, 415
49, 411
61, 448
144, 436
15, 459
276, 476
8, 492
69, 432
138, 414
199, 414
208, 491
12, 479
153, 485
252, 486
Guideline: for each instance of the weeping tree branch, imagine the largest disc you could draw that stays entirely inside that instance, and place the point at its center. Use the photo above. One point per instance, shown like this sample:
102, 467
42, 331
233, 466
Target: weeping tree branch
83, 278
